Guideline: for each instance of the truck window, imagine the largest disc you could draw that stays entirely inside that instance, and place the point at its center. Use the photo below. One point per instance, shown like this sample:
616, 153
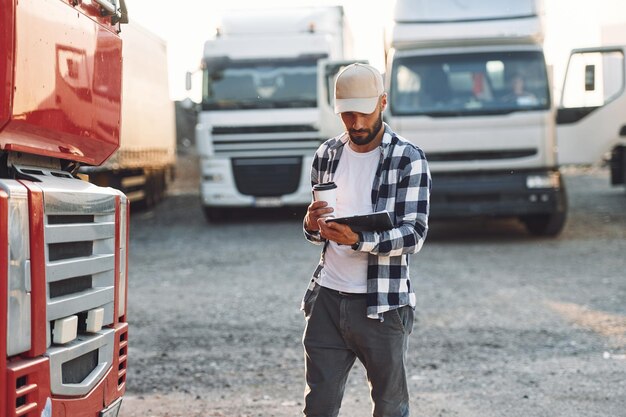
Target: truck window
261, 84
593, 79
469, 84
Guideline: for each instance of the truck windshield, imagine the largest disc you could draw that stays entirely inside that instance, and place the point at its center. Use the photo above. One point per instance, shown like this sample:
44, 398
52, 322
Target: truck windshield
469, 84
261, 84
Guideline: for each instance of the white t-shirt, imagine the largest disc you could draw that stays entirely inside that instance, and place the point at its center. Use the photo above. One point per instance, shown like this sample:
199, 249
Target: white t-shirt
344, 268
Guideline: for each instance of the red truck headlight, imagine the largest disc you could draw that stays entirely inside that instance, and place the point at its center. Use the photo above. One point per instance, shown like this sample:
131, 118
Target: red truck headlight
123, 256
17, 244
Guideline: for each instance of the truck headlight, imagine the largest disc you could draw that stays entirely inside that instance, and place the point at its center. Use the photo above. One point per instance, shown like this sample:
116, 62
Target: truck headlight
204, 141
17, 244
123, 254
550, 180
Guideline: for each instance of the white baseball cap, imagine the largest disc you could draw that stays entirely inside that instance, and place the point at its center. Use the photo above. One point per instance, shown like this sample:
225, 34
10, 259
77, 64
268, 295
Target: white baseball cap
358, 88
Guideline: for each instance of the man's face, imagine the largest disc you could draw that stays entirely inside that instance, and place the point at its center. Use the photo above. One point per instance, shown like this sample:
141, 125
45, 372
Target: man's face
363, 128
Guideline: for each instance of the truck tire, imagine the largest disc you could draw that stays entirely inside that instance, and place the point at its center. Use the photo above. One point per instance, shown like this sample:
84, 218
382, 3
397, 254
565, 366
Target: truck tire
214, 215
154, 188
149, 191
550, 224
161, 186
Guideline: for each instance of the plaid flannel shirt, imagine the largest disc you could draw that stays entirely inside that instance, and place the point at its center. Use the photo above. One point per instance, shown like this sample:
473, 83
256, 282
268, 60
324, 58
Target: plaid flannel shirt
402, 187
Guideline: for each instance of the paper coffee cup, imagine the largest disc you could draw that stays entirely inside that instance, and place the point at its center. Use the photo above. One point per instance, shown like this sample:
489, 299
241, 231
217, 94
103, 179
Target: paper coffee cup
326, 192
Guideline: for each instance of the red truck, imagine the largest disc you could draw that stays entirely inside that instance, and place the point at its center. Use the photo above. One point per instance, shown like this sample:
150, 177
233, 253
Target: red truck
63, 240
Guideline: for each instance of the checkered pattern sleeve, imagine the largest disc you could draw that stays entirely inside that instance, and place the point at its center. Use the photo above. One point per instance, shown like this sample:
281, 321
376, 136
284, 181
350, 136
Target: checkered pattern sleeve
404, 191
320, 156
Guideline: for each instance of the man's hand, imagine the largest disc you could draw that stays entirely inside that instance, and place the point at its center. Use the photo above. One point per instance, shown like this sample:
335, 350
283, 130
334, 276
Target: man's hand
337, 232
314, 212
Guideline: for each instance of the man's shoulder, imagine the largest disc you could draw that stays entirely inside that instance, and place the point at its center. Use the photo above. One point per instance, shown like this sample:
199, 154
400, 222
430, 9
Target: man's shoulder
332, 143
404, 147
337, 140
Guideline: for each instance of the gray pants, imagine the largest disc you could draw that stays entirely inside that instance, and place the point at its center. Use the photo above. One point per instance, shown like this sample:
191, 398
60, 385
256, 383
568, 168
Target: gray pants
337, 332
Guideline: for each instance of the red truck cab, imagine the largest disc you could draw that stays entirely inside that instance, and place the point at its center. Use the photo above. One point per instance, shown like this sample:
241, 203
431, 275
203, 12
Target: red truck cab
63, 241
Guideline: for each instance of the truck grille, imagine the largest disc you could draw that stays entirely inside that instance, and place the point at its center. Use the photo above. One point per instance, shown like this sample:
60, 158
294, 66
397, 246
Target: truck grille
70, 286
229, 130
76, 370
26, 387
122, 347
80, 260
480, 155
282, 140
79, 235
267, 177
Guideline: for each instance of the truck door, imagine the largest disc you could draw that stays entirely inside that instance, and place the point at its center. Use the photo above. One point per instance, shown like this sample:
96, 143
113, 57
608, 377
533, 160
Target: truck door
591, 120
330, 123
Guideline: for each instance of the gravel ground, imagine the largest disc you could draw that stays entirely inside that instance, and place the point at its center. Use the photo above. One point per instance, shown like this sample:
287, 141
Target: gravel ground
506, 325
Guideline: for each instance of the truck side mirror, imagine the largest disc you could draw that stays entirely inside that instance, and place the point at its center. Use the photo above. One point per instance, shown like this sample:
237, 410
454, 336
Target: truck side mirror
110, 8
188, 81
123, 12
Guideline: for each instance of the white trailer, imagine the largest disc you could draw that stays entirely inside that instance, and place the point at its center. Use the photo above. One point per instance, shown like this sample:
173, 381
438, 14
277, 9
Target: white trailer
259, 124
468, 83
145, 161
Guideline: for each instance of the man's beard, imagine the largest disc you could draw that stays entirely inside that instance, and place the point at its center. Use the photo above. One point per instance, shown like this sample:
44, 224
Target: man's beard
371, 134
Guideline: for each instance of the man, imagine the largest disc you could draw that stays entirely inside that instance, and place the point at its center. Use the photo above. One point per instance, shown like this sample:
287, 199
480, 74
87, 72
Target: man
360, 301
518, 94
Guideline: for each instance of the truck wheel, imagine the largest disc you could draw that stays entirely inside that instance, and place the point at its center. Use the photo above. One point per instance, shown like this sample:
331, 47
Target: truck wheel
545, 224
149, 199
161, 186
214, 215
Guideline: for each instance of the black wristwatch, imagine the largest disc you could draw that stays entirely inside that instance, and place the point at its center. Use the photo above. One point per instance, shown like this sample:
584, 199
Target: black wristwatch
356, 245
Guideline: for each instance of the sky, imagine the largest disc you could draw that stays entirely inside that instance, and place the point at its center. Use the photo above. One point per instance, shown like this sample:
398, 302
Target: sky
186, 24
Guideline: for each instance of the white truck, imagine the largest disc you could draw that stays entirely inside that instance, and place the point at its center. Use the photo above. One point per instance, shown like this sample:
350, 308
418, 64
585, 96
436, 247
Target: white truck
146, 158
468, 83
260, 122
592, 117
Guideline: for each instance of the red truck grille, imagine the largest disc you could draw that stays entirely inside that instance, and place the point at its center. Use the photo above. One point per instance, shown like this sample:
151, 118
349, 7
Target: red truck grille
25, 393
122, 358
27, 387
79, 232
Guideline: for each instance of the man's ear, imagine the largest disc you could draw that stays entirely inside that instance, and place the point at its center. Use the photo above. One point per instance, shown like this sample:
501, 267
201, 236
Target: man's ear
383, 102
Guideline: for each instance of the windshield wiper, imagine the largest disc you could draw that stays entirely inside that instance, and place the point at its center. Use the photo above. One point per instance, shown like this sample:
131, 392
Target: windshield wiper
258, 104
462, 113
296, 103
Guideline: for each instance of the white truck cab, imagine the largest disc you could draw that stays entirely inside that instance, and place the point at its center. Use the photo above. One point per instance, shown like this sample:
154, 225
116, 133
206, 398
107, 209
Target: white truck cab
592, 116
259, 124
468, 83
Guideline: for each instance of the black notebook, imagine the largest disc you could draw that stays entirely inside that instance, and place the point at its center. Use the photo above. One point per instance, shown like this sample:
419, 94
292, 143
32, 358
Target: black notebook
374, 222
